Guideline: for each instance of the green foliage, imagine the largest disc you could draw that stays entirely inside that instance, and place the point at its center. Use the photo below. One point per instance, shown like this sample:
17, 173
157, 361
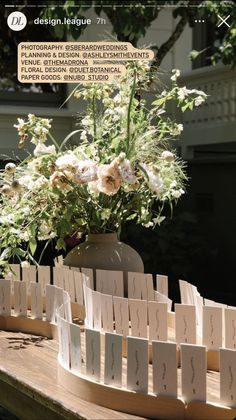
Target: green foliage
122, 169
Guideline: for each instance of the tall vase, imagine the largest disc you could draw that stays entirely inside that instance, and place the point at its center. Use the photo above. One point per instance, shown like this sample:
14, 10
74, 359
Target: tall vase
105, 252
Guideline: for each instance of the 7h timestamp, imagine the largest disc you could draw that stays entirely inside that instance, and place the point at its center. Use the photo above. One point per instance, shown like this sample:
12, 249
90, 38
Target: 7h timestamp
101, 21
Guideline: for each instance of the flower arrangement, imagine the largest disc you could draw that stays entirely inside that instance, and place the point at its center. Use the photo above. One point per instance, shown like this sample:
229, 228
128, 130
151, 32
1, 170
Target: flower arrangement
122, 166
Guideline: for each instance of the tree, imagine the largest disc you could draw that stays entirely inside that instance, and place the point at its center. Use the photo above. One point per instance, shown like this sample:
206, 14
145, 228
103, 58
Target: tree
131, 22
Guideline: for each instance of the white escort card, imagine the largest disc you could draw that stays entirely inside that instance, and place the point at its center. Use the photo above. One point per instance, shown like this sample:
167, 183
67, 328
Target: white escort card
157, 316
20, 298
185, 324
164, 362
147, 289
36, 300
64, 341
59, 299
162, 284
88, 272
75, 269
228, 377
50, 303
230, 328
71, 285
28, 276
58, 279
137, 364
113, 360
5, 297
193, 372
199, 305
93, 356
67, 306
138, 317
13, 275
79, 293
183, 292
102, 281
209, 302
121, 311
107, 313
134, 285
97, 316
110, 282
44, 274
158, 297
75, 348
88, 299
212, 327
66, 274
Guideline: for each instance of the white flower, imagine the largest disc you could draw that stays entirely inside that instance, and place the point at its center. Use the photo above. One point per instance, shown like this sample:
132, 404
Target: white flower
25, 264
7, 219
20, 126
177, 193
127, 172
86, 121
41, 149
93, 187
154, 180
105, 214
24, 236
83, 135
177, 129
86, 171
168, 156
26, 181
31, 118
176, 74
69, 160
44, 228
117, 98
183, 92
40, 183
148, 224
199, 100
158, 220
10, 168
26, 211
46, 122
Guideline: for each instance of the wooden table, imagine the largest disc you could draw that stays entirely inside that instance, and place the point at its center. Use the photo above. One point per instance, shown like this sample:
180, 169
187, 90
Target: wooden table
28, 382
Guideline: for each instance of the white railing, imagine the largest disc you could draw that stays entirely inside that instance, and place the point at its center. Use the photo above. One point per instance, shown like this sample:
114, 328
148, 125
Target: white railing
215, 121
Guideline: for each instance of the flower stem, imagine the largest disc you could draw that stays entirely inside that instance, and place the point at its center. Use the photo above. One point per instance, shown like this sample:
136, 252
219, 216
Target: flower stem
129, 113
54, 141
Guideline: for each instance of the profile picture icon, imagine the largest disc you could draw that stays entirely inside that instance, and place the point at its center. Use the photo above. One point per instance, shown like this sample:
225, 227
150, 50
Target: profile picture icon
16, 21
